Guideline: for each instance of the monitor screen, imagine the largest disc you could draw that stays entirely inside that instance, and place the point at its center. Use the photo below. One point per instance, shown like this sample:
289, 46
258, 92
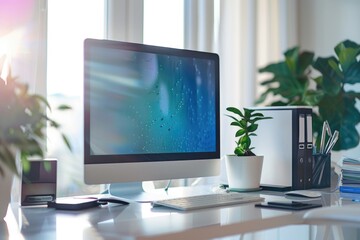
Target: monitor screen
151, 112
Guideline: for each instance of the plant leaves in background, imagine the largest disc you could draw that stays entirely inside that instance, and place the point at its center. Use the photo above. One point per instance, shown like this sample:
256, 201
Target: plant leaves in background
331, 98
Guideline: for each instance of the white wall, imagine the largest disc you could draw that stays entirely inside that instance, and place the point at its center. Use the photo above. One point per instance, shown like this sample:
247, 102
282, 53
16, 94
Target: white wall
324, 23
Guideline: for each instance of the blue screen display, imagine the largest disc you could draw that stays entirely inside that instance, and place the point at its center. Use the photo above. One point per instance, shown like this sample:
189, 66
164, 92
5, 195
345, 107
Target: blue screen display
144, 103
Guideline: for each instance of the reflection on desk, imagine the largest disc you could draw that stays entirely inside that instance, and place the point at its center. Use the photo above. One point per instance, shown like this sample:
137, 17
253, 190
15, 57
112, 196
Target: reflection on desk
349, 214
141, 221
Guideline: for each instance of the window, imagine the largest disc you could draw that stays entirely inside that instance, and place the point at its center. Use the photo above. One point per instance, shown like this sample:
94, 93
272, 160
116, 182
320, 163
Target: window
164, 23
67, 29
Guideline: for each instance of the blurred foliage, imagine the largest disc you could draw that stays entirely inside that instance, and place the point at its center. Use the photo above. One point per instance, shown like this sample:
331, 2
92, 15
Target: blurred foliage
331, 98
23, 124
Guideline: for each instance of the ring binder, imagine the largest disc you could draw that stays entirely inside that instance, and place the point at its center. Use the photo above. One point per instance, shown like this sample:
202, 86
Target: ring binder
286, 143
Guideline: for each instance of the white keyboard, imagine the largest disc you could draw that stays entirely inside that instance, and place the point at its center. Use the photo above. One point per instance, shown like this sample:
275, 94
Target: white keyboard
207, 201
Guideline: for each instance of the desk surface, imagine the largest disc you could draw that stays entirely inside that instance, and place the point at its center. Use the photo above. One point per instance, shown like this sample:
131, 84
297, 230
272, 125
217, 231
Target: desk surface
142, 221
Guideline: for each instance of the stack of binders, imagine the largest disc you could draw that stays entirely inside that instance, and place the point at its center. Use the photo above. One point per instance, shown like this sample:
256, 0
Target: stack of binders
350, 176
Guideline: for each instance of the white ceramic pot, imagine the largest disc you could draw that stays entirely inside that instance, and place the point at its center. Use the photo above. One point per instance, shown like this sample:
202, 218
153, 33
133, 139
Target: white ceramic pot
5, 190
244, 173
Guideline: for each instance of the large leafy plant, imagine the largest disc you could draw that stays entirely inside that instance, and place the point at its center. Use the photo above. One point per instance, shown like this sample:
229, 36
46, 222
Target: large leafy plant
23, 123
246, 121
330, 94
291, 80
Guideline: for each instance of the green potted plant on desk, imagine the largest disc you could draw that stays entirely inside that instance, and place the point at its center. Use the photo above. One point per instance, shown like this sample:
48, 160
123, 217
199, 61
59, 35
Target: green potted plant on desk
244, 167
22, 132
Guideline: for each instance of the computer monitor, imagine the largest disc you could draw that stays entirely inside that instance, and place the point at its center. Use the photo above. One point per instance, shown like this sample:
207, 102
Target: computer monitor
150, 113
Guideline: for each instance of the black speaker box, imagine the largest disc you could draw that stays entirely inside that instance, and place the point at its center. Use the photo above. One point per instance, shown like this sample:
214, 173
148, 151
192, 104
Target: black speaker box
38, 185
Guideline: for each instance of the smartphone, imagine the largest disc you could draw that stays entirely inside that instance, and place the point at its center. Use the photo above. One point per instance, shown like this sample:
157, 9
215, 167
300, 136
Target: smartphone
73, 203
276, 188
288, 205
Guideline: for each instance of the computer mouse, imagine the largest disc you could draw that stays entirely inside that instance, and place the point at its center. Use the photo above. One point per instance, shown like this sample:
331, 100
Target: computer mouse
304, 193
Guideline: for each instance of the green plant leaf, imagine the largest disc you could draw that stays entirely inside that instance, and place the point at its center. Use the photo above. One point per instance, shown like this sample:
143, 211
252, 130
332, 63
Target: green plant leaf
240, 132
43, 100
259, 118
291, 84
67, 142
313, 97
347, 52
268, 82
235, 110
248, 112
348, 137
278, 69
318, 80
25, 163
344, 119
233, 118
290, 78
7, 158
305, 61
237, 124
239, 151
23, 123
352, 75
257, 115
291, 59
253, 128
245, 142
246, 126
243, 123
335, 66
264, 95
64, 107
279, 103
331, 83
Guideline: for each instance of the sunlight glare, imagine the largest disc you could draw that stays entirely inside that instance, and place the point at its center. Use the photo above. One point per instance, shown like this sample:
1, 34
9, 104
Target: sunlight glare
66, 33
164, 23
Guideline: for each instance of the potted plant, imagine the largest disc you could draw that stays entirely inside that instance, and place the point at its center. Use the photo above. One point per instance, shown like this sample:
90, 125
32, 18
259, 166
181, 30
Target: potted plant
330, 94
244, 167
22, 132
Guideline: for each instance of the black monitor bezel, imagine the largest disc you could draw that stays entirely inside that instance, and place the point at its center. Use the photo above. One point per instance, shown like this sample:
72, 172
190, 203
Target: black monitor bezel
156, 157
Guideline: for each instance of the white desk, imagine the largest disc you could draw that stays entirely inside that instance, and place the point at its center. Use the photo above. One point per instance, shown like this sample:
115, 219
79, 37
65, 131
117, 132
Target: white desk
141, 221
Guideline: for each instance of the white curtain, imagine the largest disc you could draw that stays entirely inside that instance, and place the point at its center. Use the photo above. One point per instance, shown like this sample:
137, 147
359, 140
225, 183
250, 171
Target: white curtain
125, 20
247, 34
251, 35
199, 25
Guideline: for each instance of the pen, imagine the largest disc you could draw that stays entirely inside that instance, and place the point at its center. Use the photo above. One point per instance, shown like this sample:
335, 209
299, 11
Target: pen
329, 142
332, 141
322, 138
325, 129
321, 173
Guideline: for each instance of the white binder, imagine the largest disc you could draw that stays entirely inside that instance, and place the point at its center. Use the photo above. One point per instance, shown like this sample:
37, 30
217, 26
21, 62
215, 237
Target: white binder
286, 143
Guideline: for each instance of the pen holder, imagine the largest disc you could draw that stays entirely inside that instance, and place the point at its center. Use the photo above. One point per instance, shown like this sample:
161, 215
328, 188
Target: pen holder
321, 170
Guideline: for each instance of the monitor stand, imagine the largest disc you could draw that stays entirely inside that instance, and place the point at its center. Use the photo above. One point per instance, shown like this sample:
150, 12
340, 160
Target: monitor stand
133, 191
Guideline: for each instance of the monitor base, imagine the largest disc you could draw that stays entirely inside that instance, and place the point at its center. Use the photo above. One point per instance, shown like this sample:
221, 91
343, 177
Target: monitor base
134, 191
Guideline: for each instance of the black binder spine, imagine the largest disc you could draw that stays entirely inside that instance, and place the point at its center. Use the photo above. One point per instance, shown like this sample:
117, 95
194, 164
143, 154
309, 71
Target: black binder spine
299, 146
309, 151
302, 145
